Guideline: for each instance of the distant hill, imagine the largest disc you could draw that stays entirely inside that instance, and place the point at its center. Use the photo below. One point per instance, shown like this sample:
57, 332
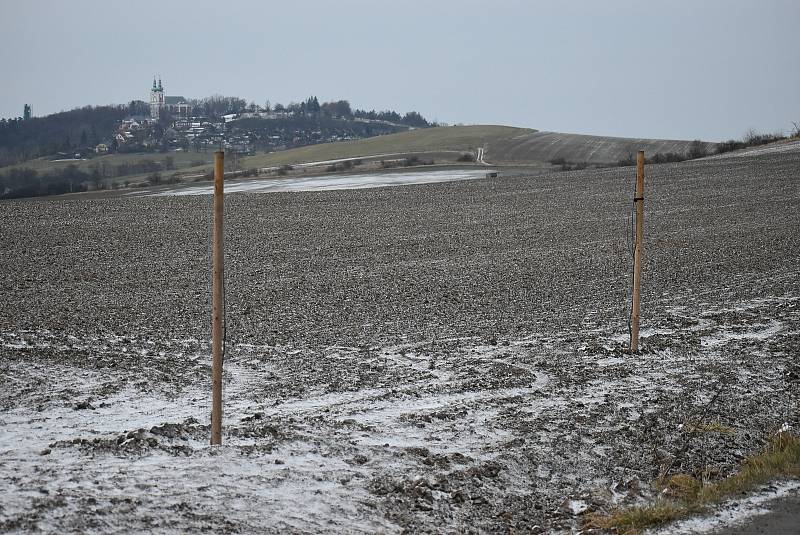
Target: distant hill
456, 139
577, 148
444, 145
22, 140
501, 144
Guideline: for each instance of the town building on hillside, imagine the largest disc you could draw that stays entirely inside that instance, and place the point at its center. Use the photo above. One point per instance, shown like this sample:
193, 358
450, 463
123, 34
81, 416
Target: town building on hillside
178, 106
175, 105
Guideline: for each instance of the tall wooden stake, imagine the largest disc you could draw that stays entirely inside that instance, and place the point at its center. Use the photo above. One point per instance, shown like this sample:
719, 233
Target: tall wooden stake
637, 251
217, 272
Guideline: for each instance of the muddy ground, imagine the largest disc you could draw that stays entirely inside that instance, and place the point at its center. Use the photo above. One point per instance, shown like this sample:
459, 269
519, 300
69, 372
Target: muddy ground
441, 358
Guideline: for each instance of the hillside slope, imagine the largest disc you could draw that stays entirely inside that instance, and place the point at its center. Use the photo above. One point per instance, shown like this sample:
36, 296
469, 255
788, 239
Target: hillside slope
503, 145
489, 144
445, 138
547, 146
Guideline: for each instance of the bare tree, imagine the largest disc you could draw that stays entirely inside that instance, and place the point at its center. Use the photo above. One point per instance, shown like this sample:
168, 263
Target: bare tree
751, 136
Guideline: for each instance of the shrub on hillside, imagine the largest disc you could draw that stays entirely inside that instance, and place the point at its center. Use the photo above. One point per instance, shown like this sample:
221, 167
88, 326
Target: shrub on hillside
627, 162
730, 145
415, 160
341, 166
25, 182
751, 139
697, 149
572, 167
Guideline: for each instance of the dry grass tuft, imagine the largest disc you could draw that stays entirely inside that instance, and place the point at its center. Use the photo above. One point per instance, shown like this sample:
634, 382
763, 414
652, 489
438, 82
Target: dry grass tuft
632, 520
711, 427
683, 487
686, 495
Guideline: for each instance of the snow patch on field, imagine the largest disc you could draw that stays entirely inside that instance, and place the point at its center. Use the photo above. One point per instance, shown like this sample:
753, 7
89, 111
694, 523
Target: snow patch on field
545, 413
775, 148
331, 182
732, 512
306, 467
726, 335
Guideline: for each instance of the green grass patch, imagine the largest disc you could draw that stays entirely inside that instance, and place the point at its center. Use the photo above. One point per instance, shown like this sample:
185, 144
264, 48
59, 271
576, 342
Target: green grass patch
686, 495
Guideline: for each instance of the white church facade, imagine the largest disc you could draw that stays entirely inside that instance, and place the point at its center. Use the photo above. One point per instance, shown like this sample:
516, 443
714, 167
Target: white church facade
175, 105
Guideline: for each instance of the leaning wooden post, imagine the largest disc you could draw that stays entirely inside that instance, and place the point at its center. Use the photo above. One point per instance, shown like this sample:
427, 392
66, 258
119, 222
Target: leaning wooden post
638, 201
217, 273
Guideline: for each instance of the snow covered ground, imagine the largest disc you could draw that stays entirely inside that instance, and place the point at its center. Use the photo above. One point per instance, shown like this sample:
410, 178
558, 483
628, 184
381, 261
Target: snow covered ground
331, 182
442, 357
437, 425
733, 513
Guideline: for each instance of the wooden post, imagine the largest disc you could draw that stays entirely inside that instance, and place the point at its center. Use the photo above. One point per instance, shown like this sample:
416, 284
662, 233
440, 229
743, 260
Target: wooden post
217, 273
638, 201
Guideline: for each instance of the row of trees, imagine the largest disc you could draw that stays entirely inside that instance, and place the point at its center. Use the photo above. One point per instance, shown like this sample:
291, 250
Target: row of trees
217, 106
27, 182
30, 183
342, 108
299, 130
22, 140
108, 170
752, 139
411, 118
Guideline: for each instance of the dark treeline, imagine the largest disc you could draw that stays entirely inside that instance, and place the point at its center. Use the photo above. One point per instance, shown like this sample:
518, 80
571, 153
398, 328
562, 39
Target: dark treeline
698, 149
342, 109
411, 118
218, 105
300, 130
65, 132
27, 182
751, 139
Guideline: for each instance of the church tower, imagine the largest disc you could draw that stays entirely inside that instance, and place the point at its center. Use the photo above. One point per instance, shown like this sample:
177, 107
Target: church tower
156, 99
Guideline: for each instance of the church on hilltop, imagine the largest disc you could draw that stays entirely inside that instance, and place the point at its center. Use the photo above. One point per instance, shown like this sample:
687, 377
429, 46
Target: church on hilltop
175, 105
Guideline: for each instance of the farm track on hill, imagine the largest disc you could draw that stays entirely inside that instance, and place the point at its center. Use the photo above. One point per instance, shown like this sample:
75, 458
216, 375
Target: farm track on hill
430, 358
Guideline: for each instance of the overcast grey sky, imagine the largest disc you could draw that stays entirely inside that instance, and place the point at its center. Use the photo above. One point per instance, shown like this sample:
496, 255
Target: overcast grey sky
681, 69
